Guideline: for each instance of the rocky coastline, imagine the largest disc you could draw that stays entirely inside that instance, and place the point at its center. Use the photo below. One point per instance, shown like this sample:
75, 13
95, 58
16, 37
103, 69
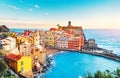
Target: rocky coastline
106, 54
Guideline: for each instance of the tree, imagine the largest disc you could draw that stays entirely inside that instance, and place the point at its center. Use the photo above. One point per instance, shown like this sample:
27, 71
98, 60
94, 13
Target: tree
3, 68
12, 76
117, 73
89, 75
3, 52
98, 74
105, 74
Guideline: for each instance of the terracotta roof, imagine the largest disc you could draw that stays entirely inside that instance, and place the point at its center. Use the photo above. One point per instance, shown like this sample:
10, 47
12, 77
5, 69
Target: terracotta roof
13, 57
52, 29
4, 26
5, 44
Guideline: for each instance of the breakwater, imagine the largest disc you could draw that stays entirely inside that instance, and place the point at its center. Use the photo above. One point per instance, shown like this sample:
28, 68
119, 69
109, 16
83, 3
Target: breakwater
98, 52
103, 54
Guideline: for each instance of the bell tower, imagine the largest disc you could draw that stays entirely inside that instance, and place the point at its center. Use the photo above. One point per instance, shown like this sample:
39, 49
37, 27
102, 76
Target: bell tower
69, 23
36, 37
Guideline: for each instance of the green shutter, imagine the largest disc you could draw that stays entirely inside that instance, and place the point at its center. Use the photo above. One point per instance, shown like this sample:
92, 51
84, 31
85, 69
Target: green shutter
22, 63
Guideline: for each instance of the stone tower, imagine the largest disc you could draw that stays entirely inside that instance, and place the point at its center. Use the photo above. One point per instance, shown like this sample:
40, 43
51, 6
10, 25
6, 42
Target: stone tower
36, 38
69, 23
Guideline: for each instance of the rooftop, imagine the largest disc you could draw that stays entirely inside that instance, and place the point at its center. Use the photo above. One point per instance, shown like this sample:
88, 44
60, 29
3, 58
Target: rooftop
13, 57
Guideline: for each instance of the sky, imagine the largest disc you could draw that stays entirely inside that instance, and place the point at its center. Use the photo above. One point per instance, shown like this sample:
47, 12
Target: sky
90, 14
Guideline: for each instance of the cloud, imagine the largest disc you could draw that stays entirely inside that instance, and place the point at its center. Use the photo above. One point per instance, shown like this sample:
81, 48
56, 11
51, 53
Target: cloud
23, 23
14, 7
36, 6
30, 9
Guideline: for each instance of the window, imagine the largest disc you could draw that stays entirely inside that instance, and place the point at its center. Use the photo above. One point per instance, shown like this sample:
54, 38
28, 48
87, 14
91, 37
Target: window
36, 49
36, 57
22, 69
24, 46
22, 62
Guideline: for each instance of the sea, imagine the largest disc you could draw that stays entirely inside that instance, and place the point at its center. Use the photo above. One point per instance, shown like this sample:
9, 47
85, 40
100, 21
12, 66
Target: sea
68, 64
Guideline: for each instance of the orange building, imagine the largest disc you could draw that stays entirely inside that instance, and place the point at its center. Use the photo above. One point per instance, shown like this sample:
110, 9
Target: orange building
76, 34
76, 43
74, 30
38, 56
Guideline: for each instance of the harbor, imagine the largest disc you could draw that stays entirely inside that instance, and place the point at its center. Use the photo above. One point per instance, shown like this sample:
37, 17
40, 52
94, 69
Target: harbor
37, 47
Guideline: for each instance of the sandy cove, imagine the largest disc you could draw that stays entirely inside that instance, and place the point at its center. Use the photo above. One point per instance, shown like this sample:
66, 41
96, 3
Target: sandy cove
52, 51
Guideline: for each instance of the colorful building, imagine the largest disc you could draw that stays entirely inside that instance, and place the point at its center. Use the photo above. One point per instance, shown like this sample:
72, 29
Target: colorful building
38, 56
75, 36
19, 63
4, 28
8, 43
49, 39
25, 48
62, 43
36, 38
74, 30
27, 33
76, 43
20, 39
53, 29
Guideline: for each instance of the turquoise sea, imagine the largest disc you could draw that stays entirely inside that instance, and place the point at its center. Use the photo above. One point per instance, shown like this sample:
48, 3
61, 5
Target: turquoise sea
74, 65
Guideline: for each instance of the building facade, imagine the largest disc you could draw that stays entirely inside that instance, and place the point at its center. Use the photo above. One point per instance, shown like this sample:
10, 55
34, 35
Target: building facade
62, 43
76, 43
8, 43
49, 39
19, 63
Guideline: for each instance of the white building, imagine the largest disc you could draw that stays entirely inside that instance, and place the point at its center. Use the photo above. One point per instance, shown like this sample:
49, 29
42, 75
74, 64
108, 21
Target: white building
8, 43
62, 43
36, 37
25, 48
40, 47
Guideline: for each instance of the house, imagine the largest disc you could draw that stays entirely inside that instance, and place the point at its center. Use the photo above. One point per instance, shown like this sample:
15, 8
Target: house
76, 43
74, 30
62, 43
49, 39
92, 44
75, 33
36, 38
8, 43
38, 56
25, 48
3, 28
21, 39
19, 63
53, 29
27, 33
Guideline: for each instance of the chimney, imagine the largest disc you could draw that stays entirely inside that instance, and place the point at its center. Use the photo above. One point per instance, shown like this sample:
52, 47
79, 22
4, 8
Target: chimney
69, 23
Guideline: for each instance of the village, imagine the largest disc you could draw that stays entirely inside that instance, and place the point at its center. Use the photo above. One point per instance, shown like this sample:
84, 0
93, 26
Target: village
26, 52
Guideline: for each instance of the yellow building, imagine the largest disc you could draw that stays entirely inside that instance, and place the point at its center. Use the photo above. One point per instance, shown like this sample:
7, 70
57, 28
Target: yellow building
49, 40
21, 39
36, 38
19, 63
